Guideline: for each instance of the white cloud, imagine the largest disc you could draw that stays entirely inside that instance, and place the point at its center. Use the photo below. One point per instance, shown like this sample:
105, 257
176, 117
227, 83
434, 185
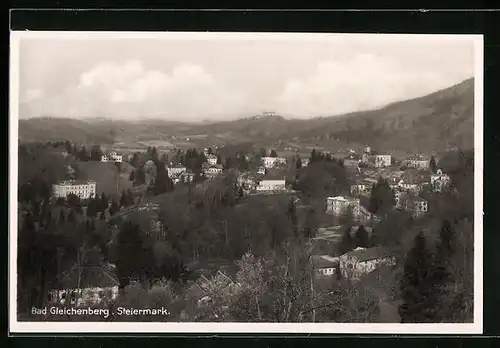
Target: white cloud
360, 83
129, 91
31, 95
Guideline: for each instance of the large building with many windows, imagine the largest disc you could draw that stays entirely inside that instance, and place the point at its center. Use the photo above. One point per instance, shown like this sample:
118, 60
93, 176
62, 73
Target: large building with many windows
112, 157
340, 205
271, 162
83, 189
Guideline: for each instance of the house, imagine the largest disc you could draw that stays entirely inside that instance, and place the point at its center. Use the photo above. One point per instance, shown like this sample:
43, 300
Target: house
417, 206
186, 177
271, 162
211, 160
304, 162
352, 160
324, 265
83, 189
112, 157
270, 185
174, 170
211, 170
417, 161
439, 181
361, 187
86, 286
361, 261
340, 205
375, 159
261, 170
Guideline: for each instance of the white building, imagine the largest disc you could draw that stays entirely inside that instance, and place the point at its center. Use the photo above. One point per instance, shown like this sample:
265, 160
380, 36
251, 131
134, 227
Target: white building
271, 185
211, 160
174, 171
261, 170
352, 160
304, 162
112, 157
212, 170
361, 261
439, 181
83, 189
270, 162
380, 161
88, 286
324, 265
417, 206
417, 161
340, 205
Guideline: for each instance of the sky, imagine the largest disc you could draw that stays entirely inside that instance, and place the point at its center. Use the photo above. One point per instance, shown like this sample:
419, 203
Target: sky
198, 77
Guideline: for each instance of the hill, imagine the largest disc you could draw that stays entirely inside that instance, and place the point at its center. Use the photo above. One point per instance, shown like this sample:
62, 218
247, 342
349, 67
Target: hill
434, 122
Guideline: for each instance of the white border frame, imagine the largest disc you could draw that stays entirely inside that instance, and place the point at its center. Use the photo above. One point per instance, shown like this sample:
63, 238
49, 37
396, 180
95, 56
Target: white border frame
164, 327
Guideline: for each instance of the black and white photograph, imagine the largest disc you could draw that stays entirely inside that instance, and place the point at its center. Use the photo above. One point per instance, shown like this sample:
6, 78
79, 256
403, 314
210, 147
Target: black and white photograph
245, 182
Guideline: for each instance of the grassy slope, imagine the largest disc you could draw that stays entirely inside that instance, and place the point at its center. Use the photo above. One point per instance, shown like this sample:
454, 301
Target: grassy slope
105, 176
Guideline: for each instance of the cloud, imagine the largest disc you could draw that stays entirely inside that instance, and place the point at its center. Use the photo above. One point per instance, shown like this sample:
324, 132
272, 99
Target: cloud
31, 95
129, 91
363, 82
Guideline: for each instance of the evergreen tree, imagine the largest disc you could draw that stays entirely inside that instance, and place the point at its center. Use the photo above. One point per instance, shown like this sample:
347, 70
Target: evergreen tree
382, 198
229, 162
140, 176
273, 153
62, 217
123, 200
132, 176
416, 286
82, 154
130, 197
314, 156
433, 165
362, 237
347, 243
114, 208
441, 276
71, 216
95, 153
298, 163
210, 151
103, 205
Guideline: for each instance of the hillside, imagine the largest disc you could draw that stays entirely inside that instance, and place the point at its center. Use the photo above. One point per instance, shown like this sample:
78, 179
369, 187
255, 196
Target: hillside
431, 123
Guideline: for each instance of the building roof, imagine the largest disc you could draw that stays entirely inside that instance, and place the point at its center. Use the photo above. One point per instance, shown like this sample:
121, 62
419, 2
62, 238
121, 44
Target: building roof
89, 277
352, 157
176, 165
342, 198
362, 254
76, 182
324, 261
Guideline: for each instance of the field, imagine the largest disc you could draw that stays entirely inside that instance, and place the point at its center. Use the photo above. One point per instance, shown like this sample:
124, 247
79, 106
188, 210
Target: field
105, 175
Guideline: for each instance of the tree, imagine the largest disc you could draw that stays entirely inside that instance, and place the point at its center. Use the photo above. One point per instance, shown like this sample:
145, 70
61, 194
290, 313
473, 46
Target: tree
130, 197
382, 198
132, 176
123, 200
298, 163
82, 154
140, 176
229, 162
114, 208
433, 165
73, 200
441, 276
95, 153
162, 182
129, 243
103, 205
273, 153
416, 286
362, 237
210, 151
347, 243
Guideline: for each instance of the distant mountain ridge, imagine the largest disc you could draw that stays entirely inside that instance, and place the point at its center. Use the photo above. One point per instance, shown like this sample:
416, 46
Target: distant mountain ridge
437, 121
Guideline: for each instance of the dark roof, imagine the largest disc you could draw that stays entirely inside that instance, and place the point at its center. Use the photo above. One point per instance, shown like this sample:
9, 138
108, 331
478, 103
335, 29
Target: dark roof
90, 277
370, 254
319, 262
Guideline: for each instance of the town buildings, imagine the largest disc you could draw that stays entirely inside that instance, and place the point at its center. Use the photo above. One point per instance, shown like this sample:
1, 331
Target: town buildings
271, 185
112, 157
417, 161
271, 162
325, 265
374, 159
174, 170
261, 170
83, 189
417, 206
86, 286
340, 205
212, 170
439, 181
211, 159
352, 160
304, 162
361, 261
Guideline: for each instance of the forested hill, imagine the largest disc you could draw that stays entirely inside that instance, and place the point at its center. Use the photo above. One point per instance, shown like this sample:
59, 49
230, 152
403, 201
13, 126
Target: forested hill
434, 122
